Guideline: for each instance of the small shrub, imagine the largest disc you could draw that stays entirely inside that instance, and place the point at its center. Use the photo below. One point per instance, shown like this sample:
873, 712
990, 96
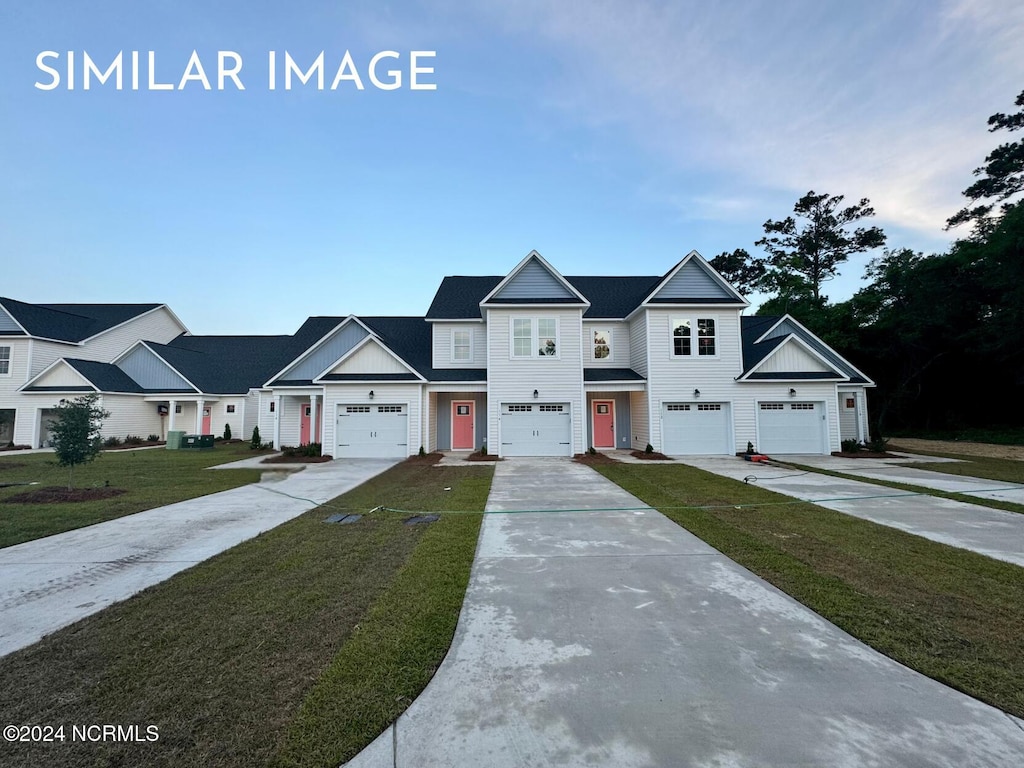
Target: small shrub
850, 446
750, 448
878, 444
649, 448
133, 440
153, 439
255, 444
422, 452
313, 449
483, 449
592, 451
227, 431
112, 442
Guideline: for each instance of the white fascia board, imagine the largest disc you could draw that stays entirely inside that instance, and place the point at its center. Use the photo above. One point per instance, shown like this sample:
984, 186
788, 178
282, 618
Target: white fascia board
376, 340
454, 319
518, 267
714, 274
50, 367
807, 348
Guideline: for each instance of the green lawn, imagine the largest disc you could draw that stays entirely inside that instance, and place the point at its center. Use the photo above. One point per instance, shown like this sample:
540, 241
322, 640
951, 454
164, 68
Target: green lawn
295, 648
949, 613
1004, 470
995, 435
152, 478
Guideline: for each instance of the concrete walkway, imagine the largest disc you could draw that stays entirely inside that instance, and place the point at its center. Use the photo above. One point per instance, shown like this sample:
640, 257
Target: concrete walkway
984, 530
892, 471
52, 582
617, 638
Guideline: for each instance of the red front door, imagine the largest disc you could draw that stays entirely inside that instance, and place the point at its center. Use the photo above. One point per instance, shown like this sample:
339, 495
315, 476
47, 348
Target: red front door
462, 426
304, 426
604, 423
206, 420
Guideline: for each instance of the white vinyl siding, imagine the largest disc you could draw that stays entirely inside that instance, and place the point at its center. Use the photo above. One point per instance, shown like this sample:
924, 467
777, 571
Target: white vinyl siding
620, 345
638, 343
443, 354
131, 415
638, 417
409, 395
556, 379
250, 414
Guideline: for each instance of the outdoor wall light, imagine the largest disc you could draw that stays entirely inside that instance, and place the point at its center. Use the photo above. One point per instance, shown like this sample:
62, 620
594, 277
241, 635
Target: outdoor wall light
696, 393
792, 391
371, 394
536, 393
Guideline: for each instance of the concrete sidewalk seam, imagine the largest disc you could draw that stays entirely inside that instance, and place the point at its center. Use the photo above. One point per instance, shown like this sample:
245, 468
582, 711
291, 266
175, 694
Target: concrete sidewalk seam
577, 556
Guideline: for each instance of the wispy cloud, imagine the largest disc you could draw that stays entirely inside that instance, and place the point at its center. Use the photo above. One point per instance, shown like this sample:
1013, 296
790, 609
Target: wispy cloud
884, 100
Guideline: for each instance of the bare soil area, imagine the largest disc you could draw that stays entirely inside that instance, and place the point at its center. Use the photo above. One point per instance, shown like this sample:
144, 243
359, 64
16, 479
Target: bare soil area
55, 495
1015, 452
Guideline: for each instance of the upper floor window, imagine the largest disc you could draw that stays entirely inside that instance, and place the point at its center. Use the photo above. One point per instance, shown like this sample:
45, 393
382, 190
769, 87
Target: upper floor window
694, 336
5, 361
462, 346
602, 344
534, 337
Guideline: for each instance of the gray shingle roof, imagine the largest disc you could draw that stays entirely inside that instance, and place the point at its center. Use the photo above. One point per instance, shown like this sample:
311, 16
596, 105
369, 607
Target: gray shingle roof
71, 322
611, 374
753, 353
227, 364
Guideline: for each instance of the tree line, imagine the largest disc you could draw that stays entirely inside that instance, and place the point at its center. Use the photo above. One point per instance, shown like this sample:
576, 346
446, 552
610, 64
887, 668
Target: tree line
941, 334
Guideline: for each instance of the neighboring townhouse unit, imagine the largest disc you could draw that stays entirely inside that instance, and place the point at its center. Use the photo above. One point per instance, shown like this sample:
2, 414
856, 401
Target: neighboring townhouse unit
531, 363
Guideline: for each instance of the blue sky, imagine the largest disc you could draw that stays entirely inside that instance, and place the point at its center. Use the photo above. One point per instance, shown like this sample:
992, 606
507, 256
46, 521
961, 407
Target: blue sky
613, 137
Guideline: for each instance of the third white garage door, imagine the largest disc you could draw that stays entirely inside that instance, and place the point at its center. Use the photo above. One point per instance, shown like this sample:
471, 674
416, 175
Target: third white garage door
696, 428
372, 432
791, 427
535, 429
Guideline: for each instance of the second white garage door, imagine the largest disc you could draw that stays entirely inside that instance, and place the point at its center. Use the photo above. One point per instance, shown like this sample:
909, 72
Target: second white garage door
372, 432
690, 429
791, 428
535, 429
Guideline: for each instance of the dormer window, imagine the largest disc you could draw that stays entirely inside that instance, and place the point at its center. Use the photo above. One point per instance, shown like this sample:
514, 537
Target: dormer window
694, 337
534, 337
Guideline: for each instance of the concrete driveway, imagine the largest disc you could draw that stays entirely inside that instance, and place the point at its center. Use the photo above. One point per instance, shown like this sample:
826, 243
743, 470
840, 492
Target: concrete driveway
984, 530
617, 638
52, 582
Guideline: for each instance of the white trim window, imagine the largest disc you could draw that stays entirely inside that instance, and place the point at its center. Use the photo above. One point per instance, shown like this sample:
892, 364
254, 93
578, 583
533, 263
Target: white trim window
5, 361
462, 346
601, 348
534, 337
687, 330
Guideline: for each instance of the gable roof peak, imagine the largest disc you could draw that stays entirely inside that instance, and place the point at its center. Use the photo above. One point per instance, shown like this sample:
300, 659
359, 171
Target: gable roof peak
694, 280
534, 281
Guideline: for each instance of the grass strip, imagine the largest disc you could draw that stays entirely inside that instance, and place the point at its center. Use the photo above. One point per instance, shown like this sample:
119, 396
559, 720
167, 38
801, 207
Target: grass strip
987, 467
392, 654
151, 478
949, 613
1005, 506
222, 656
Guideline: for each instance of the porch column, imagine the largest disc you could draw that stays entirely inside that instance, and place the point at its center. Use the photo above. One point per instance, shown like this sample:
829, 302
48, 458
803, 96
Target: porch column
314, 423
170, 414
862, 415
277, 422
199, 416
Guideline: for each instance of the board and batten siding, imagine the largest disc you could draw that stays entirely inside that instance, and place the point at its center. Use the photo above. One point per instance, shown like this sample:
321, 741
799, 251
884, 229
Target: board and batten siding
557, 380
150, 371
673, 379
792, 357
316, 362
62, 375
410, 395
620, 344
370, 358
442, 345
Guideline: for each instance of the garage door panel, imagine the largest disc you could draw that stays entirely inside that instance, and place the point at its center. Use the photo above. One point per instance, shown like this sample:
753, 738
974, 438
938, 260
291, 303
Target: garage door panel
690, 429
372, 432
785, 427
536, 429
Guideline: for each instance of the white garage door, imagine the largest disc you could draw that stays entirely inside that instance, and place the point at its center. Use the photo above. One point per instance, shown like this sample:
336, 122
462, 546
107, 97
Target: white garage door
535, 429
372, 432
696, 428
791, 428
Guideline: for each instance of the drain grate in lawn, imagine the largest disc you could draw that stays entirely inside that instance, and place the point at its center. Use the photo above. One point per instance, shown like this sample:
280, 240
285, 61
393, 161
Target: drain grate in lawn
229, 659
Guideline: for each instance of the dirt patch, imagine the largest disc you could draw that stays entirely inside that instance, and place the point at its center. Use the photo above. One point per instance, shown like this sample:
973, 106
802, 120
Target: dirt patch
912, 444
866, 455
427, 459
595, 458
482, 457
58, 495
297, 459
652, 456
129, 446
16, 448
10, 465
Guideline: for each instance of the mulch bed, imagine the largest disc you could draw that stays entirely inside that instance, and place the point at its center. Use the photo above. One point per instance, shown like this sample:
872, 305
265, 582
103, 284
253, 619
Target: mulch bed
297, 459
594, 458
427, 458
58, 495
653, 456
867, 455
16, 448
126, 446
482, 457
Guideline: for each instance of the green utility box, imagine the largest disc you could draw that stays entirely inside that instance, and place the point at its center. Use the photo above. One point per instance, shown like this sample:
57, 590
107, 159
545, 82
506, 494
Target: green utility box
174, 437
197, 441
